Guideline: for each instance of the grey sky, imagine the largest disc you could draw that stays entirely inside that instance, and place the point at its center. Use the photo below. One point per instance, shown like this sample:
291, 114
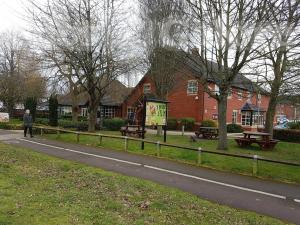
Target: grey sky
11, 12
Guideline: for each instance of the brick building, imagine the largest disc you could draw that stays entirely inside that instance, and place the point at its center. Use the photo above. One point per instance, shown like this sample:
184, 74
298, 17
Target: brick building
247, 104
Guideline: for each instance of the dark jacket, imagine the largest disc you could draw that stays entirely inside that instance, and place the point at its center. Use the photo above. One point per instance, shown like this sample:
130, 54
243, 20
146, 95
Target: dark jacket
27, 120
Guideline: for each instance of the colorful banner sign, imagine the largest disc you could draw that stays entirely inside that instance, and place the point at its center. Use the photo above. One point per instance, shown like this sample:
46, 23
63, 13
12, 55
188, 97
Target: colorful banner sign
156, 114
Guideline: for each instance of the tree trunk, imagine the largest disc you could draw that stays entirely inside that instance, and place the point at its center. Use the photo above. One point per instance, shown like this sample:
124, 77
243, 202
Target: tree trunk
270, 115
93, 109
92, 119
222, 112
75, 107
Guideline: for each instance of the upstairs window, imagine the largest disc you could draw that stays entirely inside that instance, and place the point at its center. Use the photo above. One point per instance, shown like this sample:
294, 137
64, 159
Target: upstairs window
240, 95
192, 87
229, 93
147, 88
217, 90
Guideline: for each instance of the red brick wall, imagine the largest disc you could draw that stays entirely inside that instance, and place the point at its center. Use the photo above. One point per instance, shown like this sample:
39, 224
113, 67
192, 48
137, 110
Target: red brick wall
234, 103
199, 106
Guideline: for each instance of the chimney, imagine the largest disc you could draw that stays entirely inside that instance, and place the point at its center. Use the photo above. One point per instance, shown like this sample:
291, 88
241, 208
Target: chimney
195, 51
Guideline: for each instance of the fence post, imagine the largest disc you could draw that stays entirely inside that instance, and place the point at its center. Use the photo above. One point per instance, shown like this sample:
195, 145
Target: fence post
42, 131
182, 130
126, 143
100, 139
158, 147
77, 137
255, 165
199, 160
58, 133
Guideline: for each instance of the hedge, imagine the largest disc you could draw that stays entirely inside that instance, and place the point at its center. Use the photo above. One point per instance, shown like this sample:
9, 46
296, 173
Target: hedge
234, 128
287, 135
188, 123
11, 126
208, 123
114, 124
172, 124
294, 125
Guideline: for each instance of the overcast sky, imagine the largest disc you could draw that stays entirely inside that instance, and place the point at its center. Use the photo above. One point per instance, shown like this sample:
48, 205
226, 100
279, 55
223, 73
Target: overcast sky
11, 12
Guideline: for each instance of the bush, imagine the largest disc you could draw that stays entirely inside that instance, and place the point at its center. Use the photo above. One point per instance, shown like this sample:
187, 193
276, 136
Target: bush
287, 135
80, 126
42, 121
294, 125
11, 126
188, 123
208, 123
172, 124
114, 124
234, 128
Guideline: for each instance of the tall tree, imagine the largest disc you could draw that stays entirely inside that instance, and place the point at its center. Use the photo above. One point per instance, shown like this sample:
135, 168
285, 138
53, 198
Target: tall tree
89, 33
161, 22
226, 32
281, 52
19, 72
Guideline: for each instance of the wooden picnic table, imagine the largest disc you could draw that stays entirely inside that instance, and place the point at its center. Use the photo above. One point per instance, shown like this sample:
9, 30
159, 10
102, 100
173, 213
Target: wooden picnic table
264, 140
132, 131
207, 132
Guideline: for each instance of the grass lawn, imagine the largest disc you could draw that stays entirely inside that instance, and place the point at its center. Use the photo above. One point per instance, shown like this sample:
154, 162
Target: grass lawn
283, 151
38, 189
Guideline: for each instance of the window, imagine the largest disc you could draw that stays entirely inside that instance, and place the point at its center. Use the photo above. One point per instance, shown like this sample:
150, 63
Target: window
234, 116
230, 93
147, 88
107, 112
217, 90
192, 87
258, 118
249, 95
84, 112
246, 118
130, 113
240, 95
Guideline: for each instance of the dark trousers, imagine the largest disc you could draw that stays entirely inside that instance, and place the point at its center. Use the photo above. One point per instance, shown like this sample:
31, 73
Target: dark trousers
25, 131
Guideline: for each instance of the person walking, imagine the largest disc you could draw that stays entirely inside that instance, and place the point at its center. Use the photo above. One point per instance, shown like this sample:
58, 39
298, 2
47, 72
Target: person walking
27, 120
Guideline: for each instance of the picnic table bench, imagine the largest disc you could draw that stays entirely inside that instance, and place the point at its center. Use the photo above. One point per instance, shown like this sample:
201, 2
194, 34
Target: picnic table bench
207, 132
132, 131
265, 142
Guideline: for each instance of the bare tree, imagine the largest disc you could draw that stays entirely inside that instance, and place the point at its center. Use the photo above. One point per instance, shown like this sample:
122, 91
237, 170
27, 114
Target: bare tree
162, 22
20, 75
90, 34
281, 53
226, 32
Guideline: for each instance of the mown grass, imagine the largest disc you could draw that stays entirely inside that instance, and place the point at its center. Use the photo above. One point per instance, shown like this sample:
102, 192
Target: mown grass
38, 189
283, 151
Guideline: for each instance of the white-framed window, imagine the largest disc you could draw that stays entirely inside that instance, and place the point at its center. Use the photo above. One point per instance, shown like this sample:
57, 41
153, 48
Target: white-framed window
130, 113
240, 94
147, 88
229, 93
234, 116
246, 118
258, 118
217, 90
108, 112
249, 95
192, 87
84, 112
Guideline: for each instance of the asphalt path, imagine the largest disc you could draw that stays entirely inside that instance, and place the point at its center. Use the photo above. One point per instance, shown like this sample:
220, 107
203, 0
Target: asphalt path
278, 200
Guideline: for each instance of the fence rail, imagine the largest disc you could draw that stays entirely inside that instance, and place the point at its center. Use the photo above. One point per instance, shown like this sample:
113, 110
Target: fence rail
158, 145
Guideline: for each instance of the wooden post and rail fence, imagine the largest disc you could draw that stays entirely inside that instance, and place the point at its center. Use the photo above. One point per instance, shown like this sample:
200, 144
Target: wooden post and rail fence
255, 158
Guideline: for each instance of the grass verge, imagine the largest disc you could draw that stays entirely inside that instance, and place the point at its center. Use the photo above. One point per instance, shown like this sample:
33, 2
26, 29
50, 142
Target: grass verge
38, 189
283, 151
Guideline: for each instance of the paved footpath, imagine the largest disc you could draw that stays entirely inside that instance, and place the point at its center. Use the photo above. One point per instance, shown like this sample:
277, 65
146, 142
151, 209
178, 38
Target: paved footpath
273, 199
